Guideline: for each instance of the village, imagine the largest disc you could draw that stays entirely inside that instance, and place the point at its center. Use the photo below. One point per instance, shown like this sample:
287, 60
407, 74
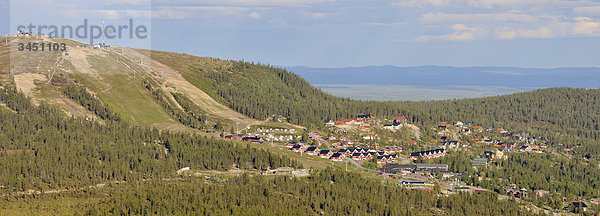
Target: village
357, 141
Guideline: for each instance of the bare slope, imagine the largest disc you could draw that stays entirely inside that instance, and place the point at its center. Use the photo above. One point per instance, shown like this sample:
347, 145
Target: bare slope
115, 75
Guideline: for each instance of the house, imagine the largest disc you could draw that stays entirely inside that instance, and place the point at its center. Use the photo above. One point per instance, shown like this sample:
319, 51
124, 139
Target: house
525, 148
232, 137
396, 125
412, 183
459, 124
325, 153
401, 119
390, 150
595, 201
479, 162
253, 139
297, 148
358, 156
581, 205
312, 151
362, 117
337, 157
451, 144
387, 159
365, 127
329, 123
489, 154
392, 158
541, 193
428, 154
290, 144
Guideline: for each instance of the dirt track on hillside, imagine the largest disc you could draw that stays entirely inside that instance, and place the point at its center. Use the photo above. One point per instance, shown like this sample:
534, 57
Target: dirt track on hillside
199, 97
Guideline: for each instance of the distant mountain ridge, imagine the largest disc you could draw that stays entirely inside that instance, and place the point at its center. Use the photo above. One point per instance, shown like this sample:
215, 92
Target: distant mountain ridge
429, 82
430, 75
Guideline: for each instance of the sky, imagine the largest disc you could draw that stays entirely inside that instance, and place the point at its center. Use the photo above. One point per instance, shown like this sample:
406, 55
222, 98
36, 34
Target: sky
347, 33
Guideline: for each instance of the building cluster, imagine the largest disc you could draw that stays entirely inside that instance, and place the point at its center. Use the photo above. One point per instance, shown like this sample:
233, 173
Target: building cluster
428, 154
386, 155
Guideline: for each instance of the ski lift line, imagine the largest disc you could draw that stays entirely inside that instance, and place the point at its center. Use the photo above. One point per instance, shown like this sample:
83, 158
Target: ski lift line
55, 69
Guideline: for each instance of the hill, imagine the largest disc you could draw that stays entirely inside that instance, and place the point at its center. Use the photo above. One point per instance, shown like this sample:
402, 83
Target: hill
142, 91
567, 116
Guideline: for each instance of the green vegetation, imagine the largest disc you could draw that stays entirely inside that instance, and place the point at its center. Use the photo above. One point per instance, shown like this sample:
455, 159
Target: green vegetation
330, 191
40, 149
91, 103
564, 116
187, 117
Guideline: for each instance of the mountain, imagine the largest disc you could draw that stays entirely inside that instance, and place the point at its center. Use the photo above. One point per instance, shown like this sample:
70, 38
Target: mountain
442, 82
116, 130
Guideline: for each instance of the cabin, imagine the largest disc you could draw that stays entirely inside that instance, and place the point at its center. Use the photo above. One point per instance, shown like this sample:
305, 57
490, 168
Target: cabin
337, 157
525, 148
541, 193
312, 151
253, 139
581, 205
412, 183
358, 156
297, 148
290, 144
329, 123
232, 137
325, 153
363, 117
387, 159
428, 154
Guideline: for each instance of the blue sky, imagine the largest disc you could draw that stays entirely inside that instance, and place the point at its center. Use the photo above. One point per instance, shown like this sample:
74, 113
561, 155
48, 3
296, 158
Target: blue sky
342, 33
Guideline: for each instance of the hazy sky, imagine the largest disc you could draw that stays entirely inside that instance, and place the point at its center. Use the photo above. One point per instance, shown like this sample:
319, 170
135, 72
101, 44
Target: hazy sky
339, 33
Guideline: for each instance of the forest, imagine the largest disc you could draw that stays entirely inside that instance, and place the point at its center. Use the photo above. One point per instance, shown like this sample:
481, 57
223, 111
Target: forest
564, 117
40, 148
328, 192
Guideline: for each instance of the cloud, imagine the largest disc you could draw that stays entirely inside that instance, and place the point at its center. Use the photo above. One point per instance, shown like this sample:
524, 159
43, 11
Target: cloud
244, 3
542, 32
585, 26
385, 23
461, 33
187, 12
106, 14
479, 17
138, 13
254, 15
311, 15
423, 3
487, 4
